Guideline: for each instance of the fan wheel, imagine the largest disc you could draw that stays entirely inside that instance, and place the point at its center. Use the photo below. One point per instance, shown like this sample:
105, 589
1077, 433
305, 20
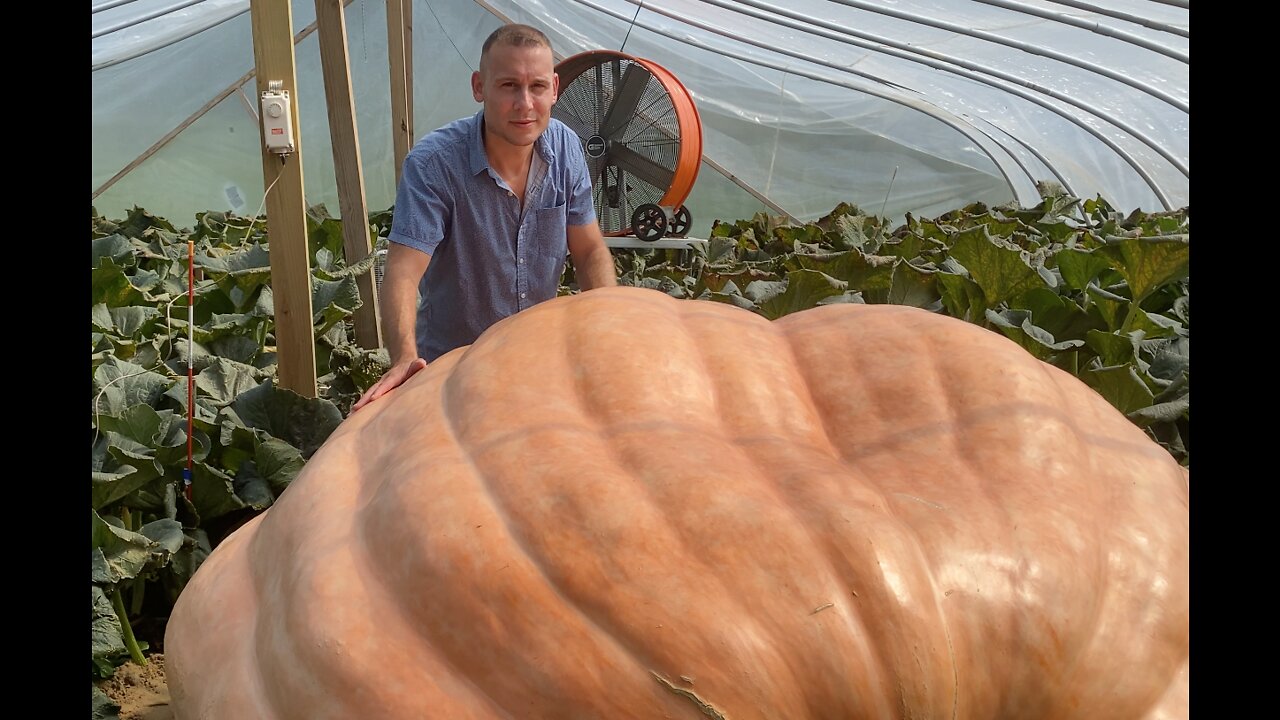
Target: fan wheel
650, 222
680, 222
640, 133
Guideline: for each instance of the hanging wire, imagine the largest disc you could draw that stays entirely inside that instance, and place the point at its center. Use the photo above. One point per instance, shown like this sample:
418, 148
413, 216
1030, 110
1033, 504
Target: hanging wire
447, 37
633, 24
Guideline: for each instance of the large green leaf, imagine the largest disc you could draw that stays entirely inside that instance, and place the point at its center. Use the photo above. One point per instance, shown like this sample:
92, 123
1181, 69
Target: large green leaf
1112, 347
304, 423
195, 548
996, 265
324, 238
107, 637
1017, 326
118, 554
115, 246
212, 492
101, 319
238, 348
108, 487
1051, 311
223, 380
1111, 307
913, 286
805, 289
333, 300
134, 320
1154, 325
908, 247
278, 463
253, 489
1121, 385
856, 232
1148, 263
166, 534
118, 385
110, 285
1080, 267
248, 267
720, 250
1165, 412
1170, 357
144, 425
962, 297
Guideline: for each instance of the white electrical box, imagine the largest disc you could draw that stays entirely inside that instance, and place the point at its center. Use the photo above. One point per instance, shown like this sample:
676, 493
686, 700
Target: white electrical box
277, 121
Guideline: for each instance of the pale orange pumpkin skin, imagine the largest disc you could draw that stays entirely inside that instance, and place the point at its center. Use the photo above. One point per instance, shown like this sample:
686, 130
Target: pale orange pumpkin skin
622, 505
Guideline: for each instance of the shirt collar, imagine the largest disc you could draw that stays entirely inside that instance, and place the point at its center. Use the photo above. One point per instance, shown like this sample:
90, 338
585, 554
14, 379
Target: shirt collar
480, 159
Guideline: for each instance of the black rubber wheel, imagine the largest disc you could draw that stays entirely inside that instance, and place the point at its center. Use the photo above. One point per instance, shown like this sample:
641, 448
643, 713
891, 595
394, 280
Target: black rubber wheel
650, 222
680, 222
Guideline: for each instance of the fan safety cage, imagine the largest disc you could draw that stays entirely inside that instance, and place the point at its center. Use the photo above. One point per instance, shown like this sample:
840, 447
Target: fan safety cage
639, 128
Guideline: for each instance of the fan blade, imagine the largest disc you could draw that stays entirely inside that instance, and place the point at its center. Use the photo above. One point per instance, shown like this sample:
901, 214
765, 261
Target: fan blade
575, 124
623, 108
640, 166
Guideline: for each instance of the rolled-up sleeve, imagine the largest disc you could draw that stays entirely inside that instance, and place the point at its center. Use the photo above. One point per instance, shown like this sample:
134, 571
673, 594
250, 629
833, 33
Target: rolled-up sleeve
421, 214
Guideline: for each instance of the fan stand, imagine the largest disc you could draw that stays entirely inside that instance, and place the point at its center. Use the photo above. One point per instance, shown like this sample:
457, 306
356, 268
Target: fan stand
652, 222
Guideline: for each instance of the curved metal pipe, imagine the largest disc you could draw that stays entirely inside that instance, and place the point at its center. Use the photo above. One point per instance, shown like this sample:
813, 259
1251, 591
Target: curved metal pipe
1091, 26
131, 22
970, 70
139, 53
108, 5
1129, 17
1024, 47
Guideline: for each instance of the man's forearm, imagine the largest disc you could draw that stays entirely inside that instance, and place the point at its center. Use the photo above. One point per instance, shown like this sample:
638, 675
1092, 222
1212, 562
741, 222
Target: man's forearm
399, 302
597, 269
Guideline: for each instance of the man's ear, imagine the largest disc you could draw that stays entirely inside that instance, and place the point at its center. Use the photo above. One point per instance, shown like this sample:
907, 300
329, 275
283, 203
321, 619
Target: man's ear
477, 87
555, 87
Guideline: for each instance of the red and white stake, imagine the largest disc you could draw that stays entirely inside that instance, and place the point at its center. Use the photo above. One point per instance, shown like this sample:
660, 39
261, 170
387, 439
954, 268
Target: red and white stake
191, 375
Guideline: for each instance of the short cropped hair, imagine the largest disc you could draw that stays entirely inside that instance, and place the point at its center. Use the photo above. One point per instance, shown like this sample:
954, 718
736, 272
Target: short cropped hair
515, 35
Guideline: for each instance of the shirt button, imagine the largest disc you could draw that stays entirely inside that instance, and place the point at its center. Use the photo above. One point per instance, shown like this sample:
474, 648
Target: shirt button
510, 194
521, 261
521, 296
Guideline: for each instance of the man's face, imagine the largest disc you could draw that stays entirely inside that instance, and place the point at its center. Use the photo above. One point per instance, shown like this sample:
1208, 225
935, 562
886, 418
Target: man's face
518, 86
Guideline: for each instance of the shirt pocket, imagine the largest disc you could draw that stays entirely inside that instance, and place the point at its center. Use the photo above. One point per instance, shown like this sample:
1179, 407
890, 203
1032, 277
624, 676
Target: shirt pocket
550, 245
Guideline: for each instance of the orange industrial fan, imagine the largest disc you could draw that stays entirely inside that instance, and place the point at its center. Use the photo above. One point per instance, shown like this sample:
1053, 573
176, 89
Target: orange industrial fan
642, 138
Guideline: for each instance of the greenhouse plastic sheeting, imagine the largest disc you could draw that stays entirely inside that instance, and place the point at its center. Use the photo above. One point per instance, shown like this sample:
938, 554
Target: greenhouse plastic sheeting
918, 106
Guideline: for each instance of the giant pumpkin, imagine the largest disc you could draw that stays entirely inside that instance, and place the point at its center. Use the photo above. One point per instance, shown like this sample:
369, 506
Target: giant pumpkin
622, 505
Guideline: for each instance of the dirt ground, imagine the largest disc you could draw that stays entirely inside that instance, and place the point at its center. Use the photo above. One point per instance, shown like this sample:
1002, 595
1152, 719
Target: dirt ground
140, 691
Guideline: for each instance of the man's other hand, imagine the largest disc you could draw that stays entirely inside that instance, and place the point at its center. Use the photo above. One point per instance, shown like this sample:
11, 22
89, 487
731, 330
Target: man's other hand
392, 379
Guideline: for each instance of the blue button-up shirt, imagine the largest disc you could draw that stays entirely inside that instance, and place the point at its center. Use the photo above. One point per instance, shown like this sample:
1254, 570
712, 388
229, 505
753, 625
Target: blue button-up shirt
490, 257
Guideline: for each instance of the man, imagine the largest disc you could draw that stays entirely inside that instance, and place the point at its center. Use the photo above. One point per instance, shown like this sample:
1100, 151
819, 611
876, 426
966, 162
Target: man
484, 213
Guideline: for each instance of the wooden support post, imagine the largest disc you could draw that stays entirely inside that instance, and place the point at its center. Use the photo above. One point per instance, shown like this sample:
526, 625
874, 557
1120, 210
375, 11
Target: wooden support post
347, 167
286, 206
400, 60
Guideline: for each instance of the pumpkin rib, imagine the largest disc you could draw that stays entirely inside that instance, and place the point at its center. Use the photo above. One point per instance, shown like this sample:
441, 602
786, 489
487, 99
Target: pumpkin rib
844, 469
624, 648
776, 343
407, 621
327, 647
770, 342
610, 428
1023, 636
797, 333
1105, 608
